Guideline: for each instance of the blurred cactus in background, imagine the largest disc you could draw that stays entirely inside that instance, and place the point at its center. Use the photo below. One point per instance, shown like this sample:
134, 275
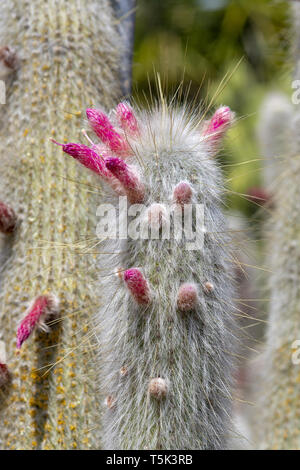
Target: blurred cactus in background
278, 393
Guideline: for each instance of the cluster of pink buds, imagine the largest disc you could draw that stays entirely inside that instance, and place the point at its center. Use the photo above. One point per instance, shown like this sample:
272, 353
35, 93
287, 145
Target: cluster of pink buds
108, 158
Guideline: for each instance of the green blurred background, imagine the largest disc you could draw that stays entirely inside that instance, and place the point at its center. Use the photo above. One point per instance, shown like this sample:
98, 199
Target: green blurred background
204, 40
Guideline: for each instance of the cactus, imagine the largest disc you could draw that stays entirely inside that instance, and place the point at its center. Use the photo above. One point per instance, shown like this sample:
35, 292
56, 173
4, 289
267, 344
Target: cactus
68, 56
166, 332
278, 392
273, 135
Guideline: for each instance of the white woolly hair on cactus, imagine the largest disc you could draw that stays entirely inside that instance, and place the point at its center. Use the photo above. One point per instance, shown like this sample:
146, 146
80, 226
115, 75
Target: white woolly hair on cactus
166, 329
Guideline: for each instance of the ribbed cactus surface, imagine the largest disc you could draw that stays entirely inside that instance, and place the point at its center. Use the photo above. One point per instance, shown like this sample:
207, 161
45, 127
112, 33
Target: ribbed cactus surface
68, 58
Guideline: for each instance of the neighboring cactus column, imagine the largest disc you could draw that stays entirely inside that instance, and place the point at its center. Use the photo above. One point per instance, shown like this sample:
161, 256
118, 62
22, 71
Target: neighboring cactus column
68, 58
277, 425
274, 129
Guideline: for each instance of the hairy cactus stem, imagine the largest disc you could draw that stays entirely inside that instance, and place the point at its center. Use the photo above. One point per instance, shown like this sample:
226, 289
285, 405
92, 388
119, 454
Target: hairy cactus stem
166, 347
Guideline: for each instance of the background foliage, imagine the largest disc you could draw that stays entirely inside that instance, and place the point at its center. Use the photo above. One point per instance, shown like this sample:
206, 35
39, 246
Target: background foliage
204, 40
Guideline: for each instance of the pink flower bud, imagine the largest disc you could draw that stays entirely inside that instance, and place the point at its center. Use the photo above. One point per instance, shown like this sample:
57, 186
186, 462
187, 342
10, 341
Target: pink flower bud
187, 297
130, 181
183, 193
103, 128
43, 308
87, 157
137, 285
218, 125
127, 119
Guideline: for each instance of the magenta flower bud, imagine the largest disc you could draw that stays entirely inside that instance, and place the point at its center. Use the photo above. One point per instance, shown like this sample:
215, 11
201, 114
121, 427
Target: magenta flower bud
91, 160
88, 158
43, 308
132, 185
103, 128
127, 119
218, 125
137, 285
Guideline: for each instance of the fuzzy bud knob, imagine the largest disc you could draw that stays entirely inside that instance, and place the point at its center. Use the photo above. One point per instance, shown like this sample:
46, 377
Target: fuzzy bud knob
187, 297
182, 193
158, 388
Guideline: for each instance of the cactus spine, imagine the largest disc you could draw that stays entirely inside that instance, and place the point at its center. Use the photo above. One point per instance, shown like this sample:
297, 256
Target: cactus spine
166, 331
69, 54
